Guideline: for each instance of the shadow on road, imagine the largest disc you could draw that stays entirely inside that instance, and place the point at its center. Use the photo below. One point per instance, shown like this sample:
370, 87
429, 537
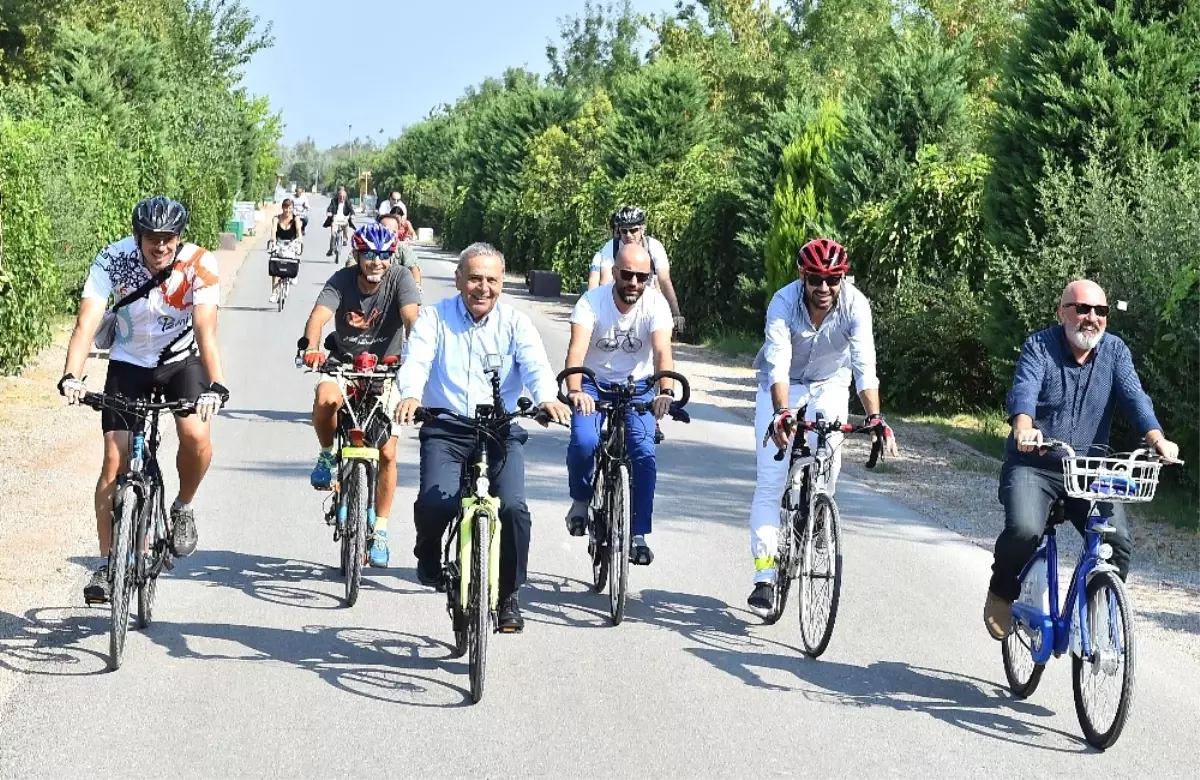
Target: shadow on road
726, 641
269, 415
48, 640
556, 600
374, 663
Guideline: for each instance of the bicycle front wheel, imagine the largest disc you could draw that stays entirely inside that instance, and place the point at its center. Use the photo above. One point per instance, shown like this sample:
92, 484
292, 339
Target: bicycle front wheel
479, 604
1103, 684
618, 541
820, 575
122, 570
354, 537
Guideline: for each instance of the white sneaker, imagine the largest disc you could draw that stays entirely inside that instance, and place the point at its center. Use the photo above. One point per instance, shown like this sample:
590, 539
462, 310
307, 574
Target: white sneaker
274, 297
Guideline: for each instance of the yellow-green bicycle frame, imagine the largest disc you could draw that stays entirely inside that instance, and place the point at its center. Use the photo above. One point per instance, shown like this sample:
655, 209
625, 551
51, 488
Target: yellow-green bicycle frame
479, 501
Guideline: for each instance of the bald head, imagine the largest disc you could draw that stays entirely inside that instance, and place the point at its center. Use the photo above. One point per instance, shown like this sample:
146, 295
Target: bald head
1083, 291
634, 261
633, 257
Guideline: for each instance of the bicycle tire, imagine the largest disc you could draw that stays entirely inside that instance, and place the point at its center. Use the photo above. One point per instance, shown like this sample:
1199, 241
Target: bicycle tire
355, 533
123, 579
815, 634
1106, 580
618, 542
479, 605
1017, 652
147, 583
282, 295
599, 536
786, 560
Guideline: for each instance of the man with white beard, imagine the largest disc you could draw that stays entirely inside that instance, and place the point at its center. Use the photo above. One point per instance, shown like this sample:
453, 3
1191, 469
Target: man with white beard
1068, 380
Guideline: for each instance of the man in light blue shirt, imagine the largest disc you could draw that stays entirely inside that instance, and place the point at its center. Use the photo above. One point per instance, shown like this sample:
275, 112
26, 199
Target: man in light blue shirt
444, 361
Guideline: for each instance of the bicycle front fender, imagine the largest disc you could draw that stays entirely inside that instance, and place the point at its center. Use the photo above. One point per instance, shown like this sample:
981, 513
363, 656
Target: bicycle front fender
471, 507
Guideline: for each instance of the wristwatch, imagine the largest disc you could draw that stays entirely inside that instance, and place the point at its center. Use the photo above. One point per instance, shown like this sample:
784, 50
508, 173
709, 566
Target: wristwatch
666, 391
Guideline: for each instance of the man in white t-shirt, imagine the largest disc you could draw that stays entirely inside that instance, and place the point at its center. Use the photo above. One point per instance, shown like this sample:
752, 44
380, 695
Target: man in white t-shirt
629, 227
391, 203
300, 206
619, 330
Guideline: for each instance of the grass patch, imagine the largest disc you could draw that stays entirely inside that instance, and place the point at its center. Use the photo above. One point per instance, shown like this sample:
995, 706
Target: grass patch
975, 465
735, 345
1172, 505
984, 431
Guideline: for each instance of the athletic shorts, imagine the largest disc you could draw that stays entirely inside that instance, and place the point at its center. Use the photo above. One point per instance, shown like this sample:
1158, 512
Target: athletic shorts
185, 379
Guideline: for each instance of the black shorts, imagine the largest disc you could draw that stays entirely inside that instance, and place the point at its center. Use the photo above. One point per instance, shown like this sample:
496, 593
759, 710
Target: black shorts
184, 379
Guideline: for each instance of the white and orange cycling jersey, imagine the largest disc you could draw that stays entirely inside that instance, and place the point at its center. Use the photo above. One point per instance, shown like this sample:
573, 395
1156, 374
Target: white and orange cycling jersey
156, 329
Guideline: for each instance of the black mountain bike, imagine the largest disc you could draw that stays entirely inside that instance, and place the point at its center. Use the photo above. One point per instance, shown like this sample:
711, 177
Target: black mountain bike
612, 485
472, 553
141, 525
363, 428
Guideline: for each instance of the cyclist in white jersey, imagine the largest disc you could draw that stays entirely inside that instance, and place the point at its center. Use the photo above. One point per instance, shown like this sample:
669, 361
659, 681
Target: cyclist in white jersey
629, 227
819, 335
618, 330
166, 338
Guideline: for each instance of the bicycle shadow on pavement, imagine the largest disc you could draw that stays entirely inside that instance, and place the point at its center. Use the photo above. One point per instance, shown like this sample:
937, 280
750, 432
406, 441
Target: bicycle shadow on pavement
729, 643
49, 641
387, 666
557, 600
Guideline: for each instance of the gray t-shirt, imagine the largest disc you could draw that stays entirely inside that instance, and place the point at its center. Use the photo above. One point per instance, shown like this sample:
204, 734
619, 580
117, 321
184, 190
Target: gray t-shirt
369, 322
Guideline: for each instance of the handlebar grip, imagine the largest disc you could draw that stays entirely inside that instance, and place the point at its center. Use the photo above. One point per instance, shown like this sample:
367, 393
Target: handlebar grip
876, 451
566, 372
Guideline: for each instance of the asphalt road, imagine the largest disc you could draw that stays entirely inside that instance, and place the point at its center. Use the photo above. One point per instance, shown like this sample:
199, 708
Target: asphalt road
254, 666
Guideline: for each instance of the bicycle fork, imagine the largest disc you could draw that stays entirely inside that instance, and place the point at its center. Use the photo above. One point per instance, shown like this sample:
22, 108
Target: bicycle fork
479, 505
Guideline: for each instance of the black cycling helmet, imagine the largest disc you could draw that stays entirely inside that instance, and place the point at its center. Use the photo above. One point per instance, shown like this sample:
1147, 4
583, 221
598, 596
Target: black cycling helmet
627, 217
159, 214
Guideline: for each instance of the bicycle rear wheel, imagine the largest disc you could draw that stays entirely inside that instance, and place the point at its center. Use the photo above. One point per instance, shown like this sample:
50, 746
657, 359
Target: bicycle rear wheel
123, 571
618, 542
1112, 665
820, 575
786, 561
149, 533
1017, 650
479, 605
354, 536
598, 545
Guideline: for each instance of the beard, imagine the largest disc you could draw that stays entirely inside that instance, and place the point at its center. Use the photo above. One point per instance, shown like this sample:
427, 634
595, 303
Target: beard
1082, 339
630, 296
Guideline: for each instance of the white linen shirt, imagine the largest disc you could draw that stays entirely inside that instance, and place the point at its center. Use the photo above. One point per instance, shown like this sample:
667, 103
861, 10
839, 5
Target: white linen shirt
797, 352
445, 358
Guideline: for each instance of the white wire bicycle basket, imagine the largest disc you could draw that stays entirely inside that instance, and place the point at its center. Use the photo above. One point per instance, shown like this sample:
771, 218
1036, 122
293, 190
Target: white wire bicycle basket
1117, 478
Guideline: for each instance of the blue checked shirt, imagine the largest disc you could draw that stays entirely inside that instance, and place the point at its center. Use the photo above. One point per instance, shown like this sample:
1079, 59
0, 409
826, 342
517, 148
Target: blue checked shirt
444, 358
1071, 402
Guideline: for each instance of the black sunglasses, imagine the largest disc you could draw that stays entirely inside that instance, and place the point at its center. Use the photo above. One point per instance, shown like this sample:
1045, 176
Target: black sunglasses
629, 276
816, 280
371, 254
1084, 309
633, 231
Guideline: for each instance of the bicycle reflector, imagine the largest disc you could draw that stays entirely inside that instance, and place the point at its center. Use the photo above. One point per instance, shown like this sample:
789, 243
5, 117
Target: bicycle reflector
356, 437
365, 361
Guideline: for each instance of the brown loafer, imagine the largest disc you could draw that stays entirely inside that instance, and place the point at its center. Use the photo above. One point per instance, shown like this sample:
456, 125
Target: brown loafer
997, 616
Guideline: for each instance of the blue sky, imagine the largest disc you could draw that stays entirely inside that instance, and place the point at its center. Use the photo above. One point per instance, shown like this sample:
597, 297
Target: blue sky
439, 48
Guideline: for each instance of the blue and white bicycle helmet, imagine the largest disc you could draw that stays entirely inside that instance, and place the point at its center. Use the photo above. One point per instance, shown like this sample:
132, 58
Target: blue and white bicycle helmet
375, 237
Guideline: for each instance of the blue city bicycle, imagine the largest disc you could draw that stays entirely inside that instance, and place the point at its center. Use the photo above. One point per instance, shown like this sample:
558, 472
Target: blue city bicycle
1097, 630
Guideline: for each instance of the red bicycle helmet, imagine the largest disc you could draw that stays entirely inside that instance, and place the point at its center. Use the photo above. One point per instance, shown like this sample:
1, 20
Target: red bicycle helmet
823, 256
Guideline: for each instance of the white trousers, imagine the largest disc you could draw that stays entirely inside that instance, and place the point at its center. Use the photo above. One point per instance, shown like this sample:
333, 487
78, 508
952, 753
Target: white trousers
832, 399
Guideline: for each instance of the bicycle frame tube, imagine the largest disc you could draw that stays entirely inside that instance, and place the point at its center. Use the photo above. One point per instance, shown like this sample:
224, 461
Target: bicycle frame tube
1051, 629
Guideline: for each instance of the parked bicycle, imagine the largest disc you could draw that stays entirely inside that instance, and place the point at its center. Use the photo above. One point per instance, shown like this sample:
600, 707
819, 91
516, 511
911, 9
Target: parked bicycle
283, 265
609, 520
472, 574
812, 552
1097, 628
141, 549
363, 427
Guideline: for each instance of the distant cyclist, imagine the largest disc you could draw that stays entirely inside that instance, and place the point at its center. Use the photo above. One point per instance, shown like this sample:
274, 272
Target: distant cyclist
285, 227
373, 305
396, 223
618, 330
391, 203
300, 206
166, 339
628, 226
818, 336
340, 205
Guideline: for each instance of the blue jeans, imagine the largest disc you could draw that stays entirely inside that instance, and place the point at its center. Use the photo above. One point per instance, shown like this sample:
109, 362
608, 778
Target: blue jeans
639, 443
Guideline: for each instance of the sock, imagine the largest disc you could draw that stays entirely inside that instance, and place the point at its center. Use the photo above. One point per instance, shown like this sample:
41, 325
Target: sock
180, 505
327, 450
381, 524
639, 540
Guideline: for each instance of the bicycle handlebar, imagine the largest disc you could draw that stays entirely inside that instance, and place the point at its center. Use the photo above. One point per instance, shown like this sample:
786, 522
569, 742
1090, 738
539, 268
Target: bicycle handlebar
120, 403
1144, 454
426, 414
627, 387
824, 428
